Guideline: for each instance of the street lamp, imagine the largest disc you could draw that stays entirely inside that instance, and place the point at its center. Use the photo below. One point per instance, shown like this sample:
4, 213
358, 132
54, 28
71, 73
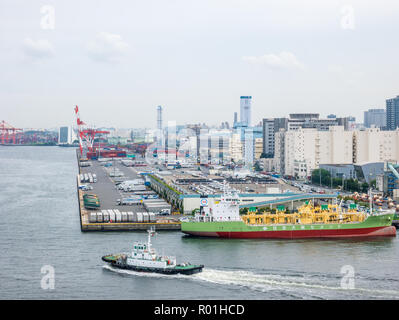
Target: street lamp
320, 175
343, 182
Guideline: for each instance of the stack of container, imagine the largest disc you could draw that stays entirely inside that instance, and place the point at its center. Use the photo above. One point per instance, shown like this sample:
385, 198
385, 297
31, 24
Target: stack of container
115, 216
156, 205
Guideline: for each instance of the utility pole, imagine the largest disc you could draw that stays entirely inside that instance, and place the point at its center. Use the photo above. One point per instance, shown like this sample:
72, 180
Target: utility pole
320, 175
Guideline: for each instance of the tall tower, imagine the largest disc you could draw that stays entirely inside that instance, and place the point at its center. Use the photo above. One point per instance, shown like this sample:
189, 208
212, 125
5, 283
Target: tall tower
159, 126
245, 110
159, 117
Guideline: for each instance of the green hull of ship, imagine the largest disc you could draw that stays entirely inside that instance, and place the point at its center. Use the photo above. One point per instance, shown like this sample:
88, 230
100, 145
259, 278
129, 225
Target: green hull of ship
378, 225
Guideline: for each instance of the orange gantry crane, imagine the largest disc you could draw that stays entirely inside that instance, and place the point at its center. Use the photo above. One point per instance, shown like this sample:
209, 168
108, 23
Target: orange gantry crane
9, 134
86, 135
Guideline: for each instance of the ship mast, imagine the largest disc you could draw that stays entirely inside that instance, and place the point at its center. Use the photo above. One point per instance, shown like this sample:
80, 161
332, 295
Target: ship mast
370, 201
151, 232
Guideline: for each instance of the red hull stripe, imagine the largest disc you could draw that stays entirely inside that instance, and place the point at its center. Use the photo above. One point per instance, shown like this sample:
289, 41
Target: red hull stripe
297, 234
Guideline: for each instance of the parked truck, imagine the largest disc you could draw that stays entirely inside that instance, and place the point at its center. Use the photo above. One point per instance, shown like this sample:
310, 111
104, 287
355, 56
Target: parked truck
128, 201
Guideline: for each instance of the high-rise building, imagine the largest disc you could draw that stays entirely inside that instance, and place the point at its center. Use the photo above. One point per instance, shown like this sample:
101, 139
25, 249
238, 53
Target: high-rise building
392, 107
295, 122
65, 135
236, 147
268, 137
299, 152
375, 117
245, 110
159, 117
375, 145
159, 127
249, 152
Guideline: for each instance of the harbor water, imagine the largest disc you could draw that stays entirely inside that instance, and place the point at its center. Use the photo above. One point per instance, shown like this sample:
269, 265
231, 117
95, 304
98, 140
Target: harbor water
40, 231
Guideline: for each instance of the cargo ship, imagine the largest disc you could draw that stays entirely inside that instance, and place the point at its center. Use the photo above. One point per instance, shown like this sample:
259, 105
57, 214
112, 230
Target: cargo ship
223, 220
145, 259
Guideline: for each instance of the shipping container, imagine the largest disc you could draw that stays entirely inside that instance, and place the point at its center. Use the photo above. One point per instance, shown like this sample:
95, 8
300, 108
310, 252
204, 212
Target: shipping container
112, 217
105, 215
118, 217
157, 207
156, 200
130, 216
93, 217
156, 204
152, 217
99, 217
137, 188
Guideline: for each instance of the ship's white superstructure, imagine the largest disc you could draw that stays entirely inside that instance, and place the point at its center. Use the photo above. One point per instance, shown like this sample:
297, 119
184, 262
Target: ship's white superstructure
225, 209
143, 255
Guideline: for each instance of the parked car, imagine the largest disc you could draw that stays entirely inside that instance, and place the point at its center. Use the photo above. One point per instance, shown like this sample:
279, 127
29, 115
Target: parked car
85, 187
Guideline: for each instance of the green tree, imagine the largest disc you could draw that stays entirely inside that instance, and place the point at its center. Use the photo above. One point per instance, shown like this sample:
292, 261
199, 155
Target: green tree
266, 155
364, 187
325, 177
257, 167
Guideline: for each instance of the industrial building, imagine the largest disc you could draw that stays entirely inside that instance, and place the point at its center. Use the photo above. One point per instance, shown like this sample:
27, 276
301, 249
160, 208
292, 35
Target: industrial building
362, 172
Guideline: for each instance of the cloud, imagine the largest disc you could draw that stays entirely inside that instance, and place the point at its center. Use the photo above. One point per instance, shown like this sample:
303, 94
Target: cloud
283, 60
336, 69
40, 49
346, 75
107, 47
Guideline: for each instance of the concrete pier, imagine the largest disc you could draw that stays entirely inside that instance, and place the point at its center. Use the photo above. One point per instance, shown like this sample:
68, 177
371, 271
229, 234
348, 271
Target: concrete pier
108, 193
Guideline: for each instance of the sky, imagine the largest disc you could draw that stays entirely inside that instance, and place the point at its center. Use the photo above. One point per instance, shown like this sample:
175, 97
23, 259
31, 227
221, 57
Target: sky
118, 60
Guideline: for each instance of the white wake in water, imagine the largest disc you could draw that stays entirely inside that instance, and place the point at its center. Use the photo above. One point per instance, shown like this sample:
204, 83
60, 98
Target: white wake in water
265, 282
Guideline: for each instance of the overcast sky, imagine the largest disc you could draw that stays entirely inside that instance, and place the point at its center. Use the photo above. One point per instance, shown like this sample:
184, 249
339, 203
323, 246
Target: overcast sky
119, 60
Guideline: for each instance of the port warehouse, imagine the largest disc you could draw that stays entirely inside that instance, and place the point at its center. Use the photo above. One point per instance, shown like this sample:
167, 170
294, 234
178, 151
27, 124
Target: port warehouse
189, 202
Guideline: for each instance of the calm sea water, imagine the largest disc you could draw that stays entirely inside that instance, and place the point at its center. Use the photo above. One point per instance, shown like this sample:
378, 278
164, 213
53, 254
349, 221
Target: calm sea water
40, 227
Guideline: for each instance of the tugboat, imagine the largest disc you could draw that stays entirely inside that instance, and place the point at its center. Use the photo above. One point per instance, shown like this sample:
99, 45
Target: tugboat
145, 259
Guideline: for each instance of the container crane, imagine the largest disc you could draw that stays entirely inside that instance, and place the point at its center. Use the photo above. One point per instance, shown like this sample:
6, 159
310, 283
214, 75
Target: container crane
86, 135
9, 134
